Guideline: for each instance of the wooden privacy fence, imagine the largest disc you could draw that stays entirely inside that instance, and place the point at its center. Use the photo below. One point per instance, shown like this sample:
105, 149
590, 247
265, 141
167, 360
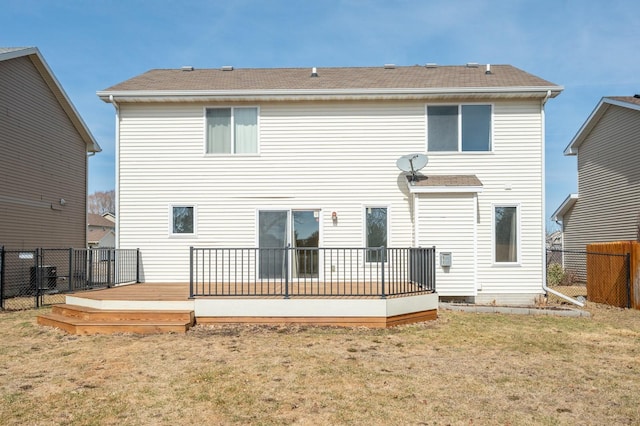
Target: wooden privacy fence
613, 273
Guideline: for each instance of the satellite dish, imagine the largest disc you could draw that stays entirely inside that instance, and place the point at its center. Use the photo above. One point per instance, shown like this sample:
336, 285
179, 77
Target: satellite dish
412, 163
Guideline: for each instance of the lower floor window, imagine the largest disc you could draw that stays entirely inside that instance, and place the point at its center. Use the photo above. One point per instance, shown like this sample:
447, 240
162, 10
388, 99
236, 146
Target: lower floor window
375, 232
182, 220
506, 234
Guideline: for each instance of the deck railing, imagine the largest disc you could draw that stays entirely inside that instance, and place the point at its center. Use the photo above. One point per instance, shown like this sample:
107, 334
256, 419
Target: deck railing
304, 271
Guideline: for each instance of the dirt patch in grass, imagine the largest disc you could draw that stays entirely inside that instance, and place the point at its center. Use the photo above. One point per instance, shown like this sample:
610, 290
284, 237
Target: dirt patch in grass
461, 369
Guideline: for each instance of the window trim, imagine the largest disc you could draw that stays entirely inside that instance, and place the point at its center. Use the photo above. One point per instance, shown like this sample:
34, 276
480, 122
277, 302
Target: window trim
232, 126
195, 221
459, 106
518, 261
365, 207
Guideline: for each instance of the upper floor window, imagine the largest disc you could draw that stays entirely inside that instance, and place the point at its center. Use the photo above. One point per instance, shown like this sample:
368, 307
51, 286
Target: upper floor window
232, 131
455, 128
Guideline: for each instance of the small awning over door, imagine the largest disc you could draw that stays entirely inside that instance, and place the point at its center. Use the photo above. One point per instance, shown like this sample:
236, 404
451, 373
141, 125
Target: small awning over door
444, 183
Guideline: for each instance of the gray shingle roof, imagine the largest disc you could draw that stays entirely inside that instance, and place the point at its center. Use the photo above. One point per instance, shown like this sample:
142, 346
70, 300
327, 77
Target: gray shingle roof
264, 79
627, 99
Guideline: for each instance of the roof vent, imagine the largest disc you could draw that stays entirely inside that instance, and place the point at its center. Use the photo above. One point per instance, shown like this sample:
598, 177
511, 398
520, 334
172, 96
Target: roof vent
187, 68
314, 72
389, 66
227, 68
488, 71
472, 65
431, 65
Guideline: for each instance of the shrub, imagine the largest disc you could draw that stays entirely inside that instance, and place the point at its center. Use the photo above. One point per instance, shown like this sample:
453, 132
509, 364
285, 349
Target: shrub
555, 274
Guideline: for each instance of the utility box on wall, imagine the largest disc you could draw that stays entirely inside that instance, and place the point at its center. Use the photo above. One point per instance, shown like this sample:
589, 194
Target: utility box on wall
445, 259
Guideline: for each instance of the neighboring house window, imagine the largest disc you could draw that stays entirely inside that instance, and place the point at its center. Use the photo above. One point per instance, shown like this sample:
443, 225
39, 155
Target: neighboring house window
376, 227
183, 220
505, 223
454, 128
232, 131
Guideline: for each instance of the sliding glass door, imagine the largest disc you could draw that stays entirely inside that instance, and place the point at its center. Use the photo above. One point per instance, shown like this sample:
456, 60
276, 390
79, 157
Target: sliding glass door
298, 228
272, 241
306, 238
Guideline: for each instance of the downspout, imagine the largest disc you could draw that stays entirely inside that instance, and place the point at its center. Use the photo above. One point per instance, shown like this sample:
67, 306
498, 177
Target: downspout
86, 207
544, 242
117, 156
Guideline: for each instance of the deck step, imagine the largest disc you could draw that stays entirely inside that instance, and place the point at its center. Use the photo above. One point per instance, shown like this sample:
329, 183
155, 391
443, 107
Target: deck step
84, 320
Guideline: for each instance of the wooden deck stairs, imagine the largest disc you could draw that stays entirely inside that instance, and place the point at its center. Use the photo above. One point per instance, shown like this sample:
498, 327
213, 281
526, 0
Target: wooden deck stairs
85, 320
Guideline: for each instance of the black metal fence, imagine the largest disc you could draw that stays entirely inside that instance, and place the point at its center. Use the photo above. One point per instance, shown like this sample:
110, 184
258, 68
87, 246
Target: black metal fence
587, 275
33, 278
302, 271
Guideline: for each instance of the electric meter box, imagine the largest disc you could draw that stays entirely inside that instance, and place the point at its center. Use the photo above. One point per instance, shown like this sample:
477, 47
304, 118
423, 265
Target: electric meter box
445, 259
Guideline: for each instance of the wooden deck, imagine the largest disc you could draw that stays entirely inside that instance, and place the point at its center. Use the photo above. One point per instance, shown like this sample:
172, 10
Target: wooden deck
138, 292
130, 308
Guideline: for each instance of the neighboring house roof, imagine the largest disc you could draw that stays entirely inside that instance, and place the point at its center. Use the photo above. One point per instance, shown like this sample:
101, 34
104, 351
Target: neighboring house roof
566, 205
554, 240
360, 82
94, 236
99, 220
631, 102
7, 53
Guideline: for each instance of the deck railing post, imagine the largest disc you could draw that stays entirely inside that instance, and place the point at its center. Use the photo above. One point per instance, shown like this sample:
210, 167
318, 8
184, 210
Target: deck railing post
432, 267
286, 271
381, 260
2, 259
190, 272
137, 265
37, 277
109, 268
70, 269
90, 267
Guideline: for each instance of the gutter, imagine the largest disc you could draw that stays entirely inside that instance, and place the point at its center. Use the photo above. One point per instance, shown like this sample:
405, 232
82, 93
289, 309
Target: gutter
148, 95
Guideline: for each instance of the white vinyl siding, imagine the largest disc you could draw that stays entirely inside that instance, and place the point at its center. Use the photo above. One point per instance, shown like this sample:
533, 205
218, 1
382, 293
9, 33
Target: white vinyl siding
326, 156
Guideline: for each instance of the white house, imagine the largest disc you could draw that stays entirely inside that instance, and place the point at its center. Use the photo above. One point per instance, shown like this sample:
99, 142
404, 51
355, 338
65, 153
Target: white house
268, 157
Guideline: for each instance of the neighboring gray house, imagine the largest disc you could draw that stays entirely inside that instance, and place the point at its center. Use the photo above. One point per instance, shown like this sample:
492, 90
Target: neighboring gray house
44, 144
607, 206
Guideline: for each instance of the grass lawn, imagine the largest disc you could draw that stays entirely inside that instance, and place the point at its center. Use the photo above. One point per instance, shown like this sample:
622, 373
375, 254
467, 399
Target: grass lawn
461, 369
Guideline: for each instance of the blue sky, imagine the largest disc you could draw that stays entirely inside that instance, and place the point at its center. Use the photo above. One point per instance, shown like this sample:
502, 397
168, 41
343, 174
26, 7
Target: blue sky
590, 47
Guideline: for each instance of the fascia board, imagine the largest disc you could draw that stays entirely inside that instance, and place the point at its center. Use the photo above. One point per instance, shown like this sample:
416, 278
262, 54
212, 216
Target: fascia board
47, 74
587, 126
18, 53
592, 120
564, 207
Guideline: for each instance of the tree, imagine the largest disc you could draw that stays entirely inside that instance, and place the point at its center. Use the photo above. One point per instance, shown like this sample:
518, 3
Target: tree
101, 202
